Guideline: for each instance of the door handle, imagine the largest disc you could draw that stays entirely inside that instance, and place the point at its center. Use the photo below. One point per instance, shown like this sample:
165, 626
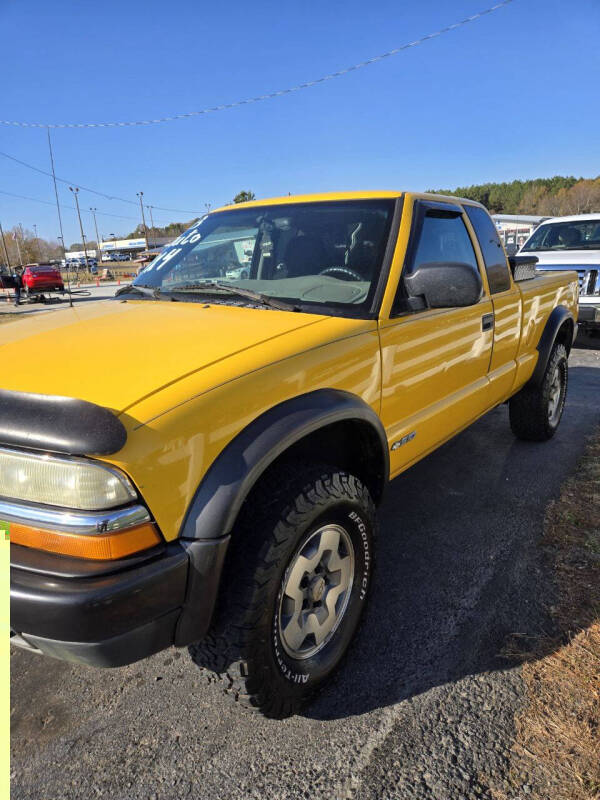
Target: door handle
487, 322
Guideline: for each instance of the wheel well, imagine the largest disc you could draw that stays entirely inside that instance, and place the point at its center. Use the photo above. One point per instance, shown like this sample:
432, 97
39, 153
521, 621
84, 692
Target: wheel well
565, 335
350, 445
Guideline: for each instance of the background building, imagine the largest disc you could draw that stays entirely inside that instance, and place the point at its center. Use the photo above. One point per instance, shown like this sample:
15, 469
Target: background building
514, 229
133, 246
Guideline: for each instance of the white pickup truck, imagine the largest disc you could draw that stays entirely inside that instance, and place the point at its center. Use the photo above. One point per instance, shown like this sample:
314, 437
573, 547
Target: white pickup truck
572, 243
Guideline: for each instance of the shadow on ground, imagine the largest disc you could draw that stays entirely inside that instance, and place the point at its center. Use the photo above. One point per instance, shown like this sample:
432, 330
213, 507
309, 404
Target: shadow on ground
448, 590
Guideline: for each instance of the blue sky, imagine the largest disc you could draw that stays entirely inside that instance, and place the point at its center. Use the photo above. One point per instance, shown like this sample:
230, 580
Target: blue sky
513, 95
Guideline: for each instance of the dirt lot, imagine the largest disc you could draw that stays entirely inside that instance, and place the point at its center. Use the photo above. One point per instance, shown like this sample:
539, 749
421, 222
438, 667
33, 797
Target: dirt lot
424, 706
557, 748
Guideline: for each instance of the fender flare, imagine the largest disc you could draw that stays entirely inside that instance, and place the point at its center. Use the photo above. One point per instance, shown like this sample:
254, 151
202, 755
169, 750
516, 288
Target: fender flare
558, 317
230, 478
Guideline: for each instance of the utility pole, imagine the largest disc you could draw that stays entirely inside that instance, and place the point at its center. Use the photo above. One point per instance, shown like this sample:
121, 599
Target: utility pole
152, 224
75, 193
62, 241
93, 210
61, 237
35, 240
5, 247
16, 238
141, 195
22, 240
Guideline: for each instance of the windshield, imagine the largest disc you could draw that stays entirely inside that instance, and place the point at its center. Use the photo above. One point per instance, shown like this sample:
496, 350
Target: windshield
324, 256
583, 235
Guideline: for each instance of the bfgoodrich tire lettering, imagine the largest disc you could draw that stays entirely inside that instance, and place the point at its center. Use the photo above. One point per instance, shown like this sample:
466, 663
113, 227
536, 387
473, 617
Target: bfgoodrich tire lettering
245, 649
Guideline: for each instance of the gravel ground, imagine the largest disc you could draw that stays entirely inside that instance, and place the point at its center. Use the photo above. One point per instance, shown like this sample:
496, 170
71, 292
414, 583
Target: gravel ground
423, 706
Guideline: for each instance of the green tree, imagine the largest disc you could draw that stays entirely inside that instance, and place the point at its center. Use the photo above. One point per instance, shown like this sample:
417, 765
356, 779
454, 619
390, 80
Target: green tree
244, 197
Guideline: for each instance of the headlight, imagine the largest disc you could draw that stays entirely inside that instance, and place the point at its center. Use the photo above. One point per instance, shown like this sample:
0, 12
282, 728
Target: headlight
71, 483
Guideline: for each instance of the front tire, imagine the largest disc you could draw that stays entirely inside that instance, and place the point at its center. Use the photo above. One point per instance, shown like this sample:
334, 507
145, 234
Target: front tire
294, 588
535, 412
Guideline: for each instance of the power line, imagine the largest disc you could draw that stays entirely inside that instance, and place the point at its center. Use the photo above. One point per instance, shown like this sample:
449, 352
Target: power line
179, 210
269, 95
72, 208
64, 180
93, 191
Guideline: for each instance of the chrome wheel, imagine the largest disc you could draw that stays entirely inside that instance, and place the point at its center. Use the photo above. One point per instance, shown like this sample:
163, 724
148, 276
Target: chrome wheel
555, 395
315, 592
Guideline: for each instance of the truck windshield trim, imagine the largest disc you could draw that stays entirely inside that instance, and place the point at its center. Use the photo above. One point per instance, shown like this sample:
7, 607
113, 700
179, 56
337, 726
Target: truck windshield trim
323, 257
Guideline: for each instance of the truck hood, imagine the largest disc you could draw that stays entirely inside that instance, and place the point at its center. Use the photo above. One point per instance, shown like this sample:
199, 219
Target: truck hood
116, 353
568, 258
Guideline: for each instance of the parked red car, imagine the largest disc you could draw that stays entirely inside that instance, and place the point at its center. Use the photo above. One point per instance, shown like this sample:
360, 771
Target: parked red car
39, 278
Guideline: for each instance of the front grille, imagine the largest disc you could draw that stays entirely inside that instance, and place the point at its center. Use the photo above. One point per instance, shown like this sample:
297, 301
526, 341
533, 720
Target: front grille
588, 282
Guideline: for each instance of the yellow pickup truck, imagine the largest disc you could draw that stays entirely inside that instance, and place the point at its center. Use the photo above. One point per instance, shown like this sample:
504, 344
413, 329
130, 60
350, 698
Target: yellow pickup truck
199, 462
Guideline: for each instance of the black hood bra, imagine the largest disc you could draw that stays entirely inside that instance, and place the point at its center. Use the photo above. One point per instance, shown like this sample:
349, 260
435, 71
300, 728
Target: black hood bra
58, 424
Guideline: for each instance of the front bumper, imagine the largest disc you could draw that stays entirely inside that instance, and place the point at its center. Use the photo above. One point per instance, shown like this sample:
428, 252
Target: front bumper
111, 614
589, 314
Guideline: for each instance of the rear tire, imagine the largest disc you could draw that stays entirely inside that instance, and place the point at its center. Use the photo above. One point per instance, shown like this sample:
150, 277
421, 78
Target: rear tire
535, 412
293, 589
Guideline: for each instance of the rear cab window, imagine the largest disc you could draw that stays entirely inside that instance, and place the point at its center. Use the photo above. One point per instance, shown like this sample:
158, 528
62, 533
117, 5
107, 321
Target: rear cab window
494, 257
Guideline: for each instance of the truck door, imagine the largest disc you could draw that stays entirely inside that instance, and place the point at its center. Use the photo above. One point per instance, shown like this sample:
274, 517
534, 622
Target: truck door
434, 360
507, 302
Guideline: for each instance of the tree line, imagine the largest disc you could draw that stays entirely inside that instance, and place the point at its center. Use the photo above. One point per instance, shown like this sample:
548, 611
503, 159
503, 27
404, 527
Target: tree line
23, 247
548, 197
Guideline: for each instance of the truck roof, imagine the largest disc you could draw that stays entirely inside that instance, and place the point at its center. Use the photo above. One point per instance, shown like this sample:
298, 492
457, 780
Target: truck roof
573, 218
360, 195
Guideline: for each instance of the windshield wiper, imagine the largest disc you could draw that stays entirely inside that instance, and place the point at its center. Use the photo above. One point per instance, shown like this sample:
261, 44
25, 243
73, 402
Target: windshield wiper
146, 291
249, 294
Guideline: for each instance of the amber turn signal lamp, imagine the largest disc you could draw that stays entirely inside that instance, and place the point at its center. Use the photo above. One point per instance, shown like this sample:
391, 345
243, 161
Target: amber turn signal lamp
103, 547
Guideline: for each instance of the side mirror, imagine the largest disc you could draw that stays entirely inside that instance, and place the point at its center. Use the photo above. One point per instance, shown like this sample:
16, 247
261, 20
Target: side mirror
445, 285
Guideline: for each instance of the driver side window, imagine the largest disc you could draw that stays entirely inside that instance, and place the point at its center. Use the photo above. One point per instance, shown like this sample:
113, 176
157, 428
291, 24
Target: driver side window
439, 237
443, 239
